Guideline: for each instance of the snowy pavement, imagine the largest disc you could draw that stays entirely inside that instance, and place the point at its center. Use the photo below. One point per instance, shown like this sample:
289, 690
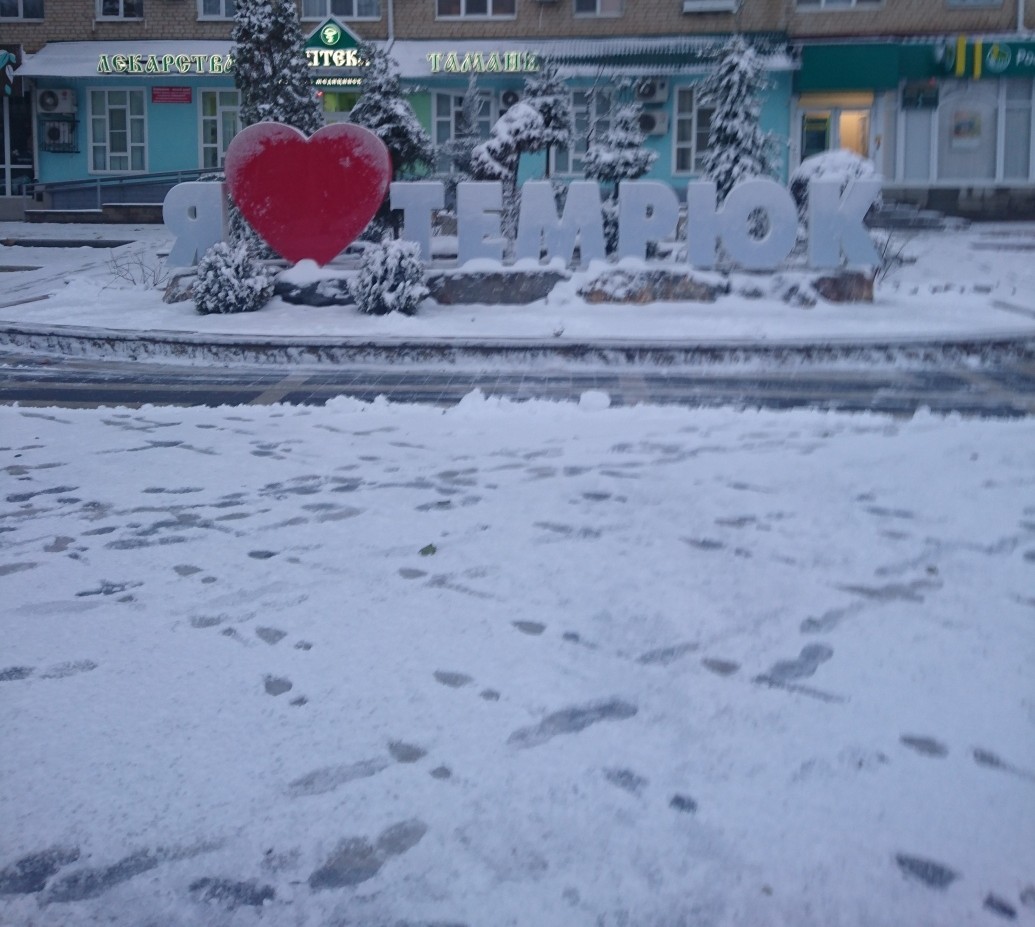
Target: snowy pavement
515, 664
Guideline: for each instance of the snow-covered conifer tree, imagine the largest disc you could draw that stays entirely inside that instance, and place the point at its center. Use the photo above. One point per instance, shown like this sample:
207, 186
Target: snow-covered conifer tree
518, 130
547, 93
271, 72
617, 155
270, 67
383, 109
737, 146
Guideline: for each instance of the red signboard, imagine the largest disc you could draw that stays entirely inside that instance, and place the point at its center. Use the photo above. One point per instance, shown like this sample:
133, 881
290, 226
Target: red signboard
171, 95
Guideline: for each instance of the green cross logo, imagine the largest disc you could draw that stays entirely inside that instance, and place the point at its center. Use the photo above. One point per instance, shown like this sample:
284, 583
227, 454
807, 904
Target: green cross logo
330, 34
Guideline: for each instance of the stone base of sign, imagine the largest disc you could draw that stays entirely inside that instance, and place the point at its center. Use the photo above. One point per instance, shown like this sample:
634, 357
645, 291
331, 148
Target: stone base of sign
845, 287
513, 288
616, 286
180, 287
331, 291
649, 286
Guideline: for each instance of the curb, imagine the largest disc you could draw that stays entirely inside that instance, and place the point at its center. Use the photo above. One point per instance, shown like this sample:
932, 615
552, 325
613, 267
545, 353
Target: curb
258, 350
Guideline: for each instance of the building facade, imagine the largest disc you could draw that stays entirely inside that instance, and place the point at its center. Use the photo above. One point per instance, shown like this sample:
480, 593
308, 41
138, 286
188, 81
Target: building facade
939, 93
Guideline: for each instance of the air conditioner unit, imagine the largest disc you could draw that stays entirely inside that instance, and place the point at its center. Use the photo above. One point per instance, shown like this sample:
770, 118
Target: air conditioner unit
652, 90
508, 98
58, 135
654, 122
55, 102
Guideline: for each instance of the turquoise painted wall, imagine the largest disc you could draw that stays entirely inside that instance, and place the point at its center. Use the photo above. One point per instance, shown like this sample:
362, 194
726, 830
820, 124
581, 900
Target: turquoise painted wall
173, 129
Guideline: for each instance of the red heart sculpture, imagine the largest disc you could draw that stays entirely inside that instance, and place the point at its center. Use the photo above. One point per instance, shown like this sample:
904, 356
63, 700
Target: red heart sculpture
307, 197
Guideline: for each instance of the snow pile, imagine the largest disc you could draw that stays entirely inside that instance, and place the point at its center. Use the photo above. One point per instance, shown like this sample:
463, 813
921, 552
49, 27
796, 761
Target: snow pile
841, 164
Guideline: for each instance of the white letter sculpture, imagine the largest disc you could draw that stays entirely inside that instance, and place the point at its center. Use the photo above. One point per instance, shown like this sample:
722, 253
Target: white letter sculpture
539, 228
195, 212
836, 223
479, 207
647, 211
418, 200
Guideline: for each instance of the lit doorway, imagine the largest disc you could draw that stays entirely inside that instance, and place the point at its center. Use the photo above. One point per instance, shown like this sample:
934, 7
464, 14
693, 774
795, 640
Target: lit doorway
828, 122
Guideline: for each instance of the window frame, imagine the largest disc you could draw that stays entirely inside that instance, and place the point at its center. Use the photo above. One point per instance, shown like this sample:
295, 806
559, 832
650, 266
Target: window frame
121, 17
220, 144
837, 6
91, 142
698, 108
597, 12
463, 15
214, 17
327, 13
20, 15
452, 121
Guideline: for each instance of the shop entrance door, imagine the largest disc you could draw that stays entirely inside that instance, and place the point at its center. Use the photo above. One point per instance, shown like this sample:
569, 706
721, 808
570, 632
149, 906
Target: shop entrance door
827, 122
16, 171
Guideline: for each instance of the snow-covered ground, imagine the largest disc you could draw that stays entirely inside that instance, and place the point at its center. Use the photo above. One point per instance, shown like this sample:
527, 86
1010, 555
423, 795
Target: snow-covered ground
515, 664
974, 281
518, 664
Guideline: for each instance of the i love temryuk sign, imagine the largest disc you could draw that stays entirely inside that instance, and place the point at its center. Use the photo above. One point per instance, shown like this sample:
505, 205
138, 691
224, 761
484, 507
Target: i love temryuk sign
309, 198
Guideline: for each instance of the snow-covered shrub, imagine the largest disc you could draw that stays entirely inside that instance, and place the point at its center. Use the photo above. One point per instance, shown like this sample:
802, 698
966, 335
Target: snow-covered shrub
391, 278
231, 280
841, 165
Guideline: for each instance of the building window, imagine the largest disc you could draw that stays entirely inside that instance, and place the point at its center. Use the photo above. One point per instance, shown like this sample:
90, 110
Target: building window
220, 122
21, 9
120, 9
1017, 133
215, 9
979, 133
693, 124
475, 9
342, 9
117, 131
592, 117
599, 7
838, 4
450, 122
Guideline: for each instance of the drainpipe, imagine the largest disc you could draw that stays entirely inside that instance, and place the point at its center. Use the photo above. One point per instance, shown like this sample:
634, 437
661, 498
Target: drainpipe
1020, 15
391, 24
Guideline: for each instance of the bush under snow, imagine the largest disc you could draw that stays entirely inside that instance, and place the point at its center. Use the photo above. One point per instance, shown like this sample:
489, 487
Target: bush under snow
391, 278
231, 280
842, 165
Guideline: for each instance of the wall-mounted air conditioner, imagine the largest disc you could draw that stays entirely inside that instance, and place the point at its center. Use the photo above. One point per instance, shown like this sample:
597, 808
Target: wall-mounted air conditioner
652, 90
654, 122
508, 98
55, 102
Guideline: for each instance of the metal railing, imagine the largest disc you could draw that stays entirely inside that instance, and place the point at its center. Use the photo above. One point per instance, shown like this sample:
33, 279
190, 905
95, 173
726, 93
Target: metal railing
94, 192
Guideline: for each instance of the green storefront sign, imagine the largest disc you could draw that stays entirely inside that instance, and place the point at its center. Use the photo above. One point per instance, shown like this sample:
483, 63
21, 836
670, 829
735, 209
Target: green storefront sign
877, 67
977, 58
